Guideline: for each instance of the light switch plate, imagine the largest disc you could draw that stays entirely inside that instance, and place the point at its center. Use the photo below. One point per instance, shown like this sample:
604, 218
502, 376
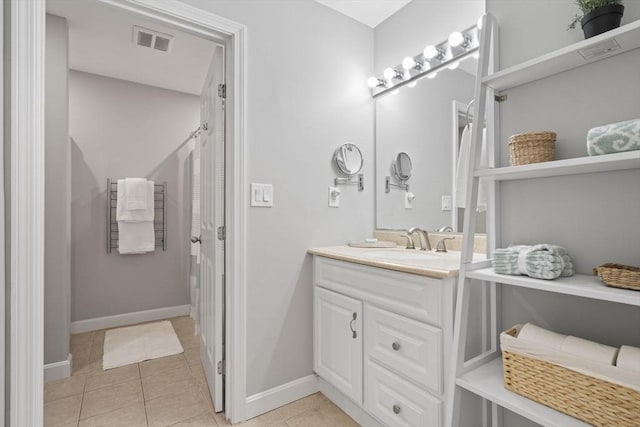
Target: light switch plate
262, 195
446, 203
334, 197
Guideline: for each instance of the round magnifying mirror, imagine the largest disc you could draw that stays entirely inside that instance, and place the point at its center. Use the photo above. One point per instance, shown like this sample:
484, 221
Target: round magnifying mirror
348, 159
402, 166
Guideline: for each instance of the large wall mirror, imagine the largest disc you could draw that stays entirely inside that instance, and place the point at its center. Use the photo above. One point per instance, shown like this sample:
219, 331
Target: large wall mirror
426, 121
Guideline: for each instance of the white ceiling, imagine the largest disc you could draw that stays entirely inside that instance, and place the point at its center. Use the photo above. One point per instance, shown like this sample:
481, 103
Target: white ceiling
369, 12
100, 42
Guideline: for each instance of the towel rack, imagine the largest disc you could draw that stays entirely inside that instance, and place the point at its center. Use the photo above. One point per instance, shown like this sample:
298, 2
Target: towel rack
159, 217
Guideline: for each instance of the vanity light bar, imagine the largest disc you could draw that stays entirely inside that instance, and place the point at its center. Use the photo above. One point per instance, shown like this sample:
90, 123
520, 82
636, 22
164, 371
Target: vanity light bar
446, 55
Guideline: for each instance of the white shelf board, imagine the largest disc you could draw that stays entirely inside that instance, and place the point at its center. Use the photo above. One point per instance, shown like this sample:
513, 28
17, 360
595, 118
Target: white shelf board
591, 164
579, 285
486, 381
566, 58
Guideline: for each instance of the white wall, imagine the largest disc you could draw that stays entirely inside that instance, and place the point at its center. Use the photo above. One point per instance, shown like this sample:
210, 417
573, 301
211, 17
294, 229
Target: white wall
57, 268
595, 217
122, 129
307, 94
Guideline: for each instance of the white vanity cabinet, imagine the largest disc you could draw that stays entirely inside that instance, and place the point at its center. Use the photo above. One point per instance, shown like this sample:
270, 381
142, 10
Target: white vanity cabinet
382, 339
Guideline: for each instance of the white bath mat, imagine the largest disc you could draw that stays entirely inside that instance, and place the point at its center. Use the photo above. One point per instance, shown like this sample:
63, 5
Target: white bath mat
133, 344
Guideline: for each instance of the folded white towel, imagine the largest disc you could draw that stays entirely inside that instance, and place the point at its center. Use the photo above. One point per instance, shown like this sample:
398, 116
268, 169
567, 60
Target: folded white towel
590, 350
136, 193
137, 215
629, 358
136, 237
463, 170
536, 335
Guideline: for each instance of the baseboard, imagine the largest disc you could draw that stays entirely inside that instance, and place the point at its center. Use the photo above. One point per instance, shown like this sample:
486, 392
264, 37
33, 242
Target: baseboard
276, 397
351, 408
129, 318
58, 370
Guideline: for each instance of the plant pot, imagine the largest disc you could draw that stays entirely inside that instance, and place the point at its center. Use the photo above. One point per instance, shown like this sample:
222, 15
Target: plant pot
601, 20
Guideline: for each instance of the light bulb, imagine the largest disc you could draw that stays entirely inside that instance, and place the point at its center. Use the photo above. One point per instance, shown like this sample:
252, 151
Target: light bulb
389, 73
430, 52
456, 39
476, 55
395, 92
432, 74
479, 24
373, 82
453, 65
408, 63
412, 84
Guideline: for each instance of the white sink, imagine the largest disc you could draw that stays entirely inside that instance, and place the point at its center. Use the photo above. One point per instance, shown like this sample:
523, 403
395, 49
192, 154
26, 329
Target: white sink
400, 255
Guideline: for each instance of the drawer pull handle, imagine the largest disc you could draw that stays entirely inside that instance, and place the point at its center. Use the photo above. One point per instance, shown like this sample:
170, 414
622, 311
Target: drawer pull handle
396, 409
395, 346
353, 331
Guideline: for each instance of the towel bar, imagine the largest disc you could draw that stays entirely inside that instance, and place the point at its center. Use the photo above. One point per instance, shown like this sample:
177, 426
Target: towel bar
159, 221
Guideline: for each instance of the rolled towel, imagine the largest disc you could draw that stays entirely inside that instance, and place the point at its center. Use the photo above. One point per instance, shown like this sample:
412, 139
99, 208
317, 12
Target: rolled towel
543, 337
590, 350
614, 138
546, 261
629, 358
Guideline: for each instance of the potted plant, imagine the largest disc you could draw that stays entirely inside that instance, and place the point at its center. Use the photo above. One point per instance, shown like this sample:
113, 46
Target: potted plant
598, 16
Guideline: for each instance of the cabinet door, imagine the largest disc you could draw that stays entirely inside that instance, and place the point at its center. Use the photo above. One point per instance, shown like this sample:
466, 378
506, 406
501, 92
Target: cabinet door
338, 341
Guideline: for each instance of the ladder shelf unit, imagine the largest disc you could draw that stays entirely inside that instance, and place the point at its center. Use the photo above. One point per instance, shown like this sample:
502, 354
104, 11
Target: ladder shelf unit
483, 375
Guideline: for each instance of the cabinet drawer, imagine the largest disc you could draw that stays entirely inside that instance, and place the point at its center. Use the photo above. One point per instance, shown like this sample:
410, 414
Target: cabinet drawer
411, 348
417, 296
397, 402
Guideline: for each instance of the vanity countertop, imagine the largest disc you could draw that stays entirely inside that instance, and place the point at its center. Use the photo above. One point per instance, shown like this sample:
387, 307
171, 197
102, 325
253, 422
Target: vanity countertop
438, 265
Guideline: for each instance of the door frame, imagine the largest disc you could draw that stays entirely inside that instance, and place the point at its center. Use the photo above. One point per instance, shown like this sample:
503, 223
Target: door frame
26, 147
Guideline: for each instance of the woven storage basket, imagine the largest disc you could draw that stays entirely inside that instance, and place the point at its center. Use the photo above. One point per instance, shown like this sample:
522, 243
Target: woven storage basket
532, 147
592, 400
619, 276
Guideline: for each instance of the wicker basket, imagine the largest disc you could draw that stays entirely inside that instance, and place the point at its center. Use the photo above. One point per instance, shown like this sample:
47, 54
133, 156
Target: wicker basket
619, 276
592, 400
532, 147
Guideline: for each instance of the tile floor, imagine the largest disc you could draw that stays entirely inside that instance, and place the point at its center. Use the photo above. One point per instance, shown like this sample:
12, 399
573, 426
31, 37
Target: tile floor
170, 391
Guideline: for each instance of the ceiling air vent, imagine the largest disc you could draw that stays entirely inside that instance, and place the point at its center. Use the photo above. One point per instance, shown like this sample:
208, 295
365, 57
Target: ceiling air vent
150, 39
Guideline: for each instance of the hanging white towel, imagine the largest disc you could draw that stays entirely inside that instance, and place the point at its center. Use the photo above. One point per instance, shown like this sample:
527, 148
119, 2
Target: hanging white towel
195, 199
135, 226
136, 237
136, 215
463, 170
136, 198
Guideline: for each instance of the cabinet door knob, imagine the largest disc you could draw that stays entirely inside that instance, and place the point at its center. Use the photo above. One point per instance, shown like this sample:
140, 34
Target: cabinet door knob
395, 346
396, 409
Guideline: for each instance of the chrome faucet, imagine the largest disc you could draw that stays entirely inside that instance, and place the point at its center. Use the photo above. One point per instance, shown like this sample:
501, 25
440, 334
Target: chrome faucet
423, 234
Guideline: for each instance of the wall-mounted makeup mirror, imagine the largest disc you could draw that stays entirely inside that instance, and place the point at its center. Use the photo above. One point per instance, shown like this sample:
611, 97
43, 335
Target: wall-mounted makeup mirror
348, 159
402, 166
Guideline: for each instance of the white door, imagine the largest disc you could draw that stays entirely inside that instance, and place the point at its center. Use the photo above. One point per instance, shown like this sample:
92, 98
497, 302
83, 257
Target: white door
212, 220
338, 341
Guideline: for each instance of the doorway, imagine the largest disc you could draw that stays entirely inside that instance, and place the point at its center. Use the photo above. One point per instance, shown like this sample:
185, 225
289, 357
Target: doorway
25, 405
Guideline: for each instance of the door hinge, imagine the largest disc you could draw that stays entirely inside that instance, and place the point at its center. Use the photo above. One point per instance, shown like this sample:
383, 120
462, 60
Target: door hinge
222, 232
222, 90
222, 368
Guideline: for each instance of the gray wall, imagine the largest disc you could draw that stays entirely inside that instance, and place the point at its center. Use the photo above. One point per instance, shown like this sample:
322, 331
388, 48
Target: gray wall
594, 216
122, 129
307, 94
57, 236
